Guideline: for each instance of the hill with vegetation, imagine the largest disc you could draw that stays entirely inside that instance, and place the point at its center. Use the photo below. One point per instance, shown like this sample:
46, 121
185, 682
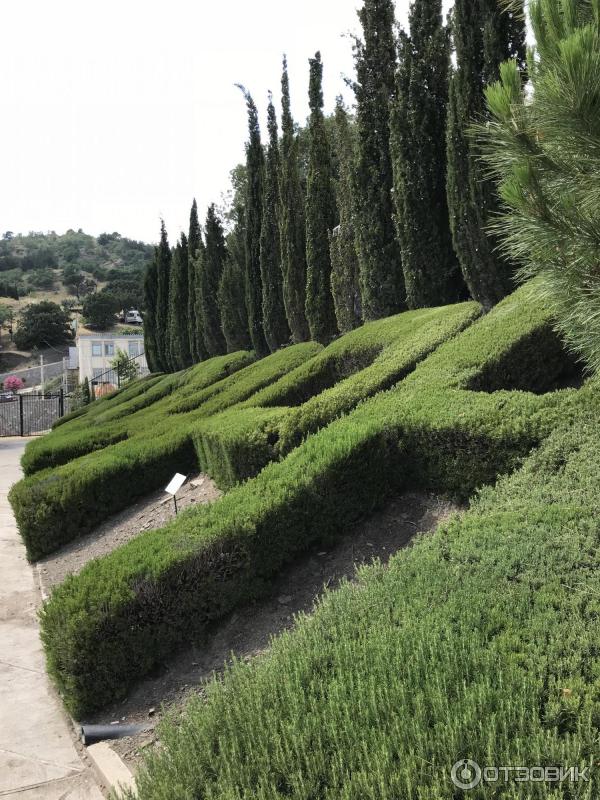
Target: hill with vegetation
50, 266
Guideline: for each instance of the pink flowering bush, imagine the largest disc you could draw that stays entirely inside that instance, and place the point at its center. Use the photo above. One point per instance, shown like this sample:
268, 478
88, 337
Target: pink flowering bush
13, 384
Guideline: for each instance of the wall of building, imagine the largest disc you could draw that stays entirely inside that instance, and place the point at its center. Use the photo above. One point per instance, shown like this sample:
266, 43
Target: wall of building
96, 351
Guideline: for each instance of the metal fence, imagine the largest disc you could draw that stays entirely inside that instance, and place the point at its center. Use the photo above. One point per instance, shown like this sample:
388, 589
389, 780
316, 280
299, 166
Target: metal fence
31, 414
132, 368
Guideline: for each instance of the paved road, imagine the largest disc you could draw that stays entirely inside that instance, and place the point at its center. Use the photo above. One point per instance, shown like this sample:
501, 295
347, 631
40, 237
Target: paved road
38, 758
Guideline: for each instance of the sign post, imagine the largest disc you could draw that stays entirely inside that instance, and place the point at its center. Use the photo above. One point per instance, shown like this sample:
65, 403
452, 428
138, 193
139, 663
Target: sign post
175, 485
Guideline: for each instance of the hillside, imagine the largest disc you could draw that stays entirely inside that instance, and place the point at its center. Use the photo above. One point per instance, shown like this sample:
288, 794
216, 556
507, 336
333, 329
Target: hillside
50, 266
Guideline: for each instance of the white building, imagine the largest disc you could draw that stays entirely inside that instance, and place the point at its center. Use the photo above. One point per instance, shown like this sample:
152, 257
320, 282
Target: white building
95, 351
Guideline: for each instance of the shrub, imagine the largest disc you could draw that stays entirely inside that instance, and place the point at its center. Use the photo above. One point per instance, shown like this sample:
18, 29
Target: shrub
429, 432
477, 642
13, 384
55, 506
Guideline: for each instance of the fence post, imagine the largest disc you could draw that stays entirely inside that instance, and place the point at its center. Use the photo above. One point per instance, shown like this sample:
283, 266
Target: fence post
61, 403
21, 413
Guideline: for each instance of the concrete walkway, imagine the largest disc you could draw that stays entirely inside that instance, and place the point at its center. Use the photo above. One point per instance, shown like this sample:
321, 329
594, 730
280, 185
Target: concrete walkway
38, 757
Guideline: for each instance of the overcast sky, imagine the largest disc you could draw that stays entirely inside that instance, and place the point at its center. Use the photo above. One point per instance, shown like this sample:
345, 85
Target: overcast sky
118, 112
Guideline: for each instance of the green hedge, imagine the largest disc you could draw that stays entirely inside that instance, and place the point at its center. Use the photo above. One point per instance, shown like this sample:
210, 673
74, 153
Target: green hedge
132, 410
234, 446
57, 505
247, 382
364, 362
125, 613
372, 357
516, 340
54, 506
480, 641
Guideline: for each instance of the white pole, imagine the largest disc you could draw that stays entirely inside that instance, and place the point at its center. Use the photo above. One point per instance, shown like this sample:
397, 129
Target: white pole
42, 370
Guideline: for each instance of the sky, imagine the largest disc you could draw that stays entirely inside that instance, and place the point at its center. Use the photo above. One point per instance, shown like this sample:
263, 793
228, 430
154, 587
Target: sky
119, 112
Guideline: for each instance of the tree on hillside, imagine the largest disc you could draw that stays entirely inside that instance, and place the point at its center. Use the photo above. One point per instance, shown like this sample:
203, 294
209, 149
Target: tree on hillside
163, 269
381, 277
150, 297
178, 331
484, 36
320, 214
255, 167
43, 324
210, 277
545, 152
432, 274
195, 250
99, 310
291, 221
275, 325
7, 319
232, 295
342, 242
232, 302
128, 292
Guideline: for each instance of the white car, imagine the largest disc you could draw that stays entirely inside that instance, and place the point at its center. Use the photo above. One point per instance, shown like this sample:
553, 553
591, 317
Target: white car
133, 317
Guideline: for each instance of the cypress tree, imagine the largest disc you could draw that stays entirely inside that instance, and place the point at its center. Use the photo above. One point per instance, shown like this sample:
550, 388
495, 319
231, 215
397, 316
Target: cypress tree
195, 243
342, 241
255, 167
150, 298
320, 214
275, 326
381, 277
484, 35
179, 345
212, 265
231, 295
163, 267
232, 302
292, 223
418, 125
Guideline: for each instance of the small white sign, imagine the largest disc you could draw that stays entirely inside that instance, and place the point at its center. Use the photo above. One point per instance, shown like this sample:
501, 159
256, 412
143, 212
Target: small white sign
177, 482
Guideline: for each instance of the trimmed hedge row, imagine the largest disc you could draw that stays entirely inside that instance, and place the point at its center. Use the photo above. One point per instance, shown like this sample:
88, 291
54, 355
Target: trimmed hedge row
365, 362
516, 340
370, 358
54, 506
234, 446
125, 613
112, 416
57, 505
246, 383
480, 641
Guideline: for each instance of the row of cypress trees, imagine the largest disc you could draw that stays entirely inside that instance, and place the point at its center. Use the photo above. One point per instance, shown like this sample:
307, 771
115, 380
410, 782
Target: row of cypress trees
349, 219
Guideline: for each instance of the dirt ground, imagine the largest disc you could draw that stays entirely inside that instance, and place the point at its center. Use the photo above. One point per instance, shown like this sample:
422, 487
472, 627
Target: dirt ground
152, 511
247, 632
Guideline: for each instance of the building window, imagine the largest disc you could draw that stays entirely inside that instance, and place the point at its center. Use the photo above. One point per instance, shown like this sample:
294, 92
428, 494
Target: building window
97, 371
109, 349
134, 349
96, 348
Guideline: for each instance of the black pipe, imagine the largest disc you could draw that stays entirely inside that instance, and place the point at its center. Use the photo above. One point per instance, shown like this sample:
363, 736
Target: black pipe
99, 733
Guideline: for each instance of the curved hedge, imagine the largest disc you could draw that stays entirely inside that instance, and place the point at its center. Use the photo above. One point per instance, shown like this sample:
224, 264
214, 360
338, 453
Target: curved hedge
104, 466
124, 614
480, 641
